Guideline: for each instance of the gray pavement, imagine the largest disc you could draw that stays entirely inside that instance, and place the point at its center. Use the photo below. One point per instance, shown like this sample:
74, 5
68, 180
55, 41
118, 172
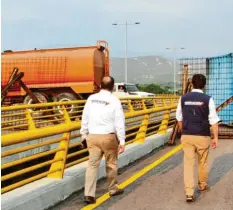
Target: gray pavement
162, 187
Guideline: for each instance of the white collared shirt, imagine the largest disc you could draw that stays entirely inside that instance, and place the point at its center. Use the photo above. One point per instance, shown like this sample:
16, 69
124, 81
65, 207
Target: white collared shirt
103, 114
213, 117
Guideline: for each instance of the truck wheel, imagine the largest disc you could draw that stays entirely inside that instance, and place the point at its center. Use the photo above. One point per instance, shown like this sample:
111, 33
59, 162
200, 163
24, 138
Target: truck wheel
41, 97
65, 97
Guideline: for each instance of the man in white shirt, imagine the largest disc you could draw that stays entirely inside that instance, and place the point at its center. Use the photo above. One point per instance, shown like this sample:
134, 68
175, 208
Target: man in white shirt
103, 126
195, 113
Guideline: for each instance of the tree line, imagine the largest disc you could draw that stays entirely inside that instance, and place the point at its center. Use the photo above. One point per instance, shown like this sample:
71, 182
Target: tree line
154, 88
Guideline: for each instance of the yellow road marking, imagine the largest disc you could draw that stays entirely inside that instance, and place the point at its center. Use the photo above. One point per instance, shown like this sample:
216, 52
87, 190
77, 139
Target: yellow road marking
133, 178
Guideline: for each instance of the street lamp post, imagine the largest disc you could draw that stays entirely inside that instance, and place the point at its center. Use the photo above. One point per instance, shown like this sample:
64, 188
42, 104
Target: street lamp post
174, 64
126, 24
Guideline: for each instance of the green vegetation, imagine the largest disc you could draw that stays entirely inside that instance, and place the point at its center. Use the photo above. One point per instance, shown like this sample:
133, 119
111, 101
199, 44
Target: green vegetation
154, 88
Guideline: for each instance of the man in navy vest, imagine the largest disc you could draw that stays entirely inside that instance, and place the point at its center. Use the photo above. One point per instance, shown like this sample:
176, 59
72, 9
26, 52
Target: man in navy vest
195, 113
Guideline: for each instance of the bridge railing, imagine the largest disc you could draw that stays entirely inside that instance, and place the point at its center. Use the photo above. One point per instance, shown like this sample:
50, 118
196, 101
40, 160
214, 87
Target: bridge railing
42, 144
26, 117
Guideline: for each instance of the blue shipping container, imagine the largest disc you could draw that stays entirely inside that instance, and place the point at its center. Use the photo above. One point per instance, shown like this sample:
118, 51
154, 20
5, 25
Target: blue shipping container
220, 83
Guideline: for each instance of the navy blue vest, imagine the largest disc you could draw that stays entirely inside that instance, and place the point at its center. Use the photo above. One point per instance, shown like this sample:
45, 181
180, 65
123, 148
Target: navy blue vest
195, 111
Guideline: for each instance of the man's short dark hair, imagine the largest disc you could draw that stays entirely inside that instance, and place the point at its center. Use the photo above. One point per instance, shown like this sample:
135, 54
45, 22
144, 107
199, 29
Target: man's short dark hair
107, 83
198, 81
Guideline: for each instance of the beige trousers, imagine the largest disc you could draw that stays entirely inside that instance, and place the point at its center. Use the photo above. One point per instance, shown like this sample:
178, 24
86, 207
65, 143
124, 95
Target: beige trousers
192, 145
99, 145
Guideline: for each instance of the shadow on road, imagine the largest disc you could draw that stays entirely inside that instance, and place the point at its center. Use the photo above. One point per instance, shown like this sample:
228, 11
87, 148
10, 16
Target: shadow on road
221, 166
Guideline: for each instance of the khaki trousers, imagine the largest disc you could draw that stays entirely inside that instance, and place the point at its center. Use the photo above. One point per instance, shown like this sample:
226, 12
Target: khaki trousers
99, 145
192, 145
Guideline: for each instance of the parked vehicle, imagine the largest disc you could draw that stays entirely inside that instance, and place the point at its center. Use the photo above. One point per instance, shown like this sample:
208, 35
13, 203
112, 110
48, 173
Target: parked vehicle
61, 74
129, 89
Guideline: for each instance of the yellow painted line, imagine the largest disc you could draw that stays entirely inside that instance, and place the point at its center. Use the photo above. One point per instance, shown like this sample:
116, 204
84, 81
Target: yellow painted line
133, 178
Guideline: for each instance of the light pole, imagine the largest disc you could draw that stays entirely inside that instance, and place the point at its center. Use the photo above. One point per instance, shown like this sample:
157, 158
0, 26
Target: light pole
126, 24
174, 63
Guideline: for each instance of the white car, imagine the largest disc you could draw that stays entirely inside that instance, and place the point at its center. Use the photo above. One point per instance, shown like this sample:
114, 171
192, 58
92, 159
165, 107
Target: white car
129, 89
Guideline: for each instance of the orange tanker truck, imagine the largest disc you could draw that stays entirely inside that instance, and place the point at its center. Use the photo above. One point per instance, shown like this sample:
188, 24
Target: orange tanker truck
61, 74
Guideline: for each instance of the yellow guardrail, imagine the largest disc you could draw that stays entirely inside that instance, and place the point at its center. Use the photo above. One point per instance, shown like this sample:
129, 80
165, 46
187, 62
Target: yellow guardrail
25, 117
167, 95
42, 140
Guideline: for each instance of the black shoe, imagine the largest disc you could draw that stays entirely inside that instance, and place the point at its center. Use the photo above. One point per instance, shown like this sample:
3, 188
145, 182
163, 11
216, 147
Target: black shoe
89, 200
189, 198
118, 192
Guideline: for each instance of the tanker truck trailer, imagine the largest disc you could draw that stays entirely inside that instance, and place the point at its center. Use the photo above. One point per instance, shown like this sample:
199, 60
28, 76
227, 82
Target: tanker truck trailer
61, 74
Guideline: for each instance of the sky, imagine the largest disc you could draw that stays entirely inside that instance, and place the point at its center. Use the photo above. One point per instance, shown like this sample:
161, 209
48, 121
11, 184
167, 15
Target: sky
202, 27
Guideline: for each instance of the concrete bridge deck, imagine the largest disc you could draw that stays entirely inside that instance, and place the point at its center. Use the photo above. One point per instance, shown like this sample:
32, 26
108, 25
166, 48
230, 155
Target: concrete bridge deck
162, 187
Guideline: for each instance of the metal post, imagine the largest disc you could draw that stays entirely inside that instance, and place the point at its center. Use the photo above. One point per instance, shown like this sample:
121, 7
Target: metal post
185, 78
126, 24
174, 63
126, 70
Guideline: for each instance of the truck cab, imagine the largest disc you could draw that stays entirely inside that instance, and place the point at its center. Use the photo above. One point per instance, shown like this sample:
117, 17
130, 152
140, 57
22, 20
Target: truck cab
128, 89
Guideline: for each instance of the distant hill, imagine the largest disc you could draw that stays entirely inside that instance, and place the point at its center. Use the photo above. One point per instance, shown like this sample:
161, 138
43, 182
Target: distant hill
144, 70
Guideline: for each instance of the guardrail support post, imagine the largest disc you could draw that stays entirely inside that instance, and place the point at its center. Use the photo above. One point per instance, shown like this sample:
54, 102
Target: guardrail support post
142, 130
164, 124
64, 145
31, 124
154, 103
144, 105
130, 106
173, 101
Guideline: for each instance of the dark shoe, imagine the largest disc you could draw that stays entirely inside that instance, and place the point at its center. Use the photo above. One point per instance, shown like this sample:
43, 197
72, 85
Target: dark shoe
189, 198
205, 189
89, 200
118, 192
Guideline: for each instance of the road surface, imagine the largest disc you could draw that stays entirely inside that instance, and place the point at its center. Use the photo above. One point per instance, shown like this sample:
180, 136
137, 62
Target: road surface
162, 188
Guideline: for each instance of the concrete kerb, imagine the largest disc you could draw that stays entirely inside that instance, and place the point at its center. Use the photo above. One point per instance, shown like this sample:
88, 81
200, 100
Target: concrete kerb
46, 192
